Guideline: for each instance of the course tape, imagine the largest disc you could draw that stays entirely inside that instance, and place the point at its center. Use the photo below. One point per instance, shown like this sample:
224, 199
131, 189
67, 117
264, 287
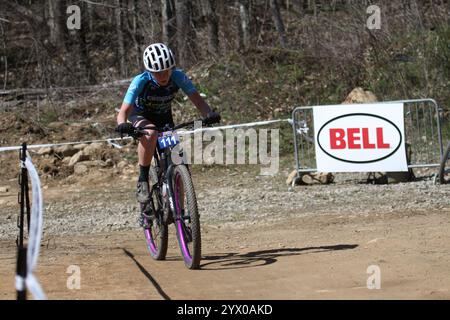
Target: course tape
180, 132
35, 235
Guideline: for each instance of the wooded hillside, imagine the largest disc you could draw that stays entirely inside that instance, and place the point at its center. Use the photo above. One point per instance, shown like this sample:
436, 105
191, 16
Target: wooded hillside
309, 50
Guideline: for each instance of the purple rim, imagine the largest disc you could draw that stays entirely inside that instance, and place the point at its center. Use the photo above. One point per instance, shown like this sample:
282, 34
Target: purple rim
150, 241
184, 247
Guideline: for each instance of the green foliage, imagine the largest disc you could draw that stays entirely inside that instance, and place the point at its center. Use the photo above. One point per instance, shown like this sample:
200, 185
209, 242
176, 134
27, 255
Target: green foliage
48, 115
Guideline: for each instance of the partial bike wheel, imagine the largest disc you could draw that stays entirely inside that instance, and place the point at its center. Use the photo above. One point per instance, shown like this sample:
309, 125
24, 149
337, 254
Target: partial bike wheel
187, 219
157, 234
444, 170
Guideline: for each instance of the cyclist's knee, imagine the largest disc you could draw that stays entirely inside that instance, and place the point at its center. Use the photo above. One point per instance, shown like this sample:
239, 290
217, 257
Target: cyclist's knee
146, 140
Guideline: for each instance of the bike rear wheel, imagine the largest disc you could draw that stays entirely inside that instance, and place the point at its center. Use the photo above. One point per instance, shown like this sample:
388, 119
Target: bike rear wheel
157, 233
187, 219
444, 170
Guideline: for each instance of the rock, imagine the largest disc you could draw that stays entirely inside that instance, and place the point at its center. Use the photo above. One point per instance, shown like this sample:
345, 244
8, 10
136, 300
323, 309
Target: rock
109, 162
66, 161
122, 164
65, 150
80, 168
80, 146
48, 165
358, 95
4, 189
56, 125
78, 157
317, 178
291, 177
93, 148
95, 163
44, 151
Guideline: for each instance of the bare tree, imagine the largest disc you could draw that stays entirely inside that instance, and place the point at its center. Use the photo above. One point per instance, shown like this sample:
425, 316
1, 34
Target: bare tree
120, 38
167, 23
132, 28
55, 18
5, 56
244, 30
276, 16
209, 11
298, 6
183, 26
82, 45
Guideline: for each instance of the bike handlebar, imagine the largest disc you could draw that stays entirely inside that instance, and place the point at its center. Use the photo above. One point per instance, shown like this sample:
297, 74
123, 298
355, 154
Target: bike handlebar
139, 131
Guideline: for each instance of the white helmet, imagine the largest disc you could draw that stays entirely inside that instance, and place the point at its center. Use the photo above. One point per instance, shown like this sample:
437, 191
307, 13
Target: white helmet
158, 57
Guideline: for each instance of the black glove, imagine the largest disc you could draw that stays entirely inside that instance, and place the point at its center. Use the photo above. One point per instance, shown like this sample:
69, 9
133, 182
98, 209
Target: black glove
212, 117
125, 128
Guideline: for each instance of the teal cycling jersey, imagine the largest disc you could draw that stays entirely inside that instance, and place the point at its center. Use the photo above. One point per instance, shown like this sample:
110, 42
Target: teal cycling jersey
147, 96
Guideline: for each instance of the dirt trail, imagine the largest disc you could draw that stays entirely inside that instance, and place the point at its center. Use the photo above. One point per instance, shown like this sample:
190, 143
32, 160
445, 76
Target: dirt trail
260, 240
322, 257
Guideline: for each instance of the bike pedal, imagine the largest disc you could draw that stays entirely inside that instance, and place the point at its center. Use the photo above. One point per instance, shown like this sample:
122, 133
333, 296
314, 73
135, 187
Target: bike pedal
142, 223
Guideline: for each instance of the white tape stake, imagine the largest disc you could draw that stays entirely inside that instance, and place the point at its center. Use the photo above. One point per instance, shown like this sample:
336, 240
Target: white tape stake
35, 146
110, 140
36, 223
35, 288
115, 145
19, 283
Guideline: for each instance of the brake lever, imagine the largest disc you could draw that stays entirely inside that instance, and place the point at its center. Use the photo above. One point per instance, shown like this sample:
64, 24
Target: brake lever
136, 134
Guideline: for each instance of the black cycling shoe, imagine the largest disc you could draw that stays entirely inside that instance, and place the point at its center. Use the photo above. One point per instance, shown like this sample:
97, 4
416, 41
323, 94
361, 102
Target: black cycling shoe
143, 192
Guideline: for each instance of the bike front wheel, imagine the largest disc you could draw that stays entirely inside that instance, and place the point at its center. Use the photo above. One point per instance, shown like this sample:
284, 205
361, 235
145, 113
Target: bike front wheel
156, 234
187, 219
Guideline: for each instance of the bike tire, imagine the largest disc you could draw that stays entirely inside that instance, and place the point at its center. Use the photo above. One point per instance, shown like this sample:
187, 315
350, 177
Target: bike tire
157, 236
187, 226
444, 169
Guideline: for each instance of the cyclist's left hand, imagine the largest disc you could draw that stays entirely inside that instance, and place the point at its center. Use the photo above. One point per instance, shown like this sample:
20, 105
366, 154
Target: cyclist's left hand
124, 128
212, 117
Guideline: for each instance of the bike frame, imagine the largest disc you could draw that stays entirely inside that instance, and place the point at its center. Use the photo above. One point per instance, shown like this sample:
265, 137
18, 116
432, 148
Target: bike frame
164, 161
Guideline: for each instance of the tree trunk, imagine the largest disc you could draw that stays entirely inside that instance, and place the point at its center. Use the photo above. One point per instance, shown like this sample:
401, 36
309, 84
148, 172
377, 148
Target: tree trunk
276, 16
134, 32
80, 65
298, 6
54, 22
151, 13
167, 15
91, 16
244, 31
84, 58
209, 11
448, 12
120, 38
5, 56
183, 31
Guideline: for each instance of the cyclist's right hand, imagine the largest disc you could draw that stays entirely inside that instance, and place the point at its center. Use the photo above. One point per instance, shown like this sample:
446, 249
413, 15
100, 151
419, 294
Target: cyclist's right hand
212, 118
125, 128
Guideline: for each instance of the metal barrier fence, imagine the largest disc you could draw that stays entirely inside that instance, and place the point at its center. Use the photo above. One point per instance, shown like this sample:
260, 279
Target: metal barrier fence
423, 134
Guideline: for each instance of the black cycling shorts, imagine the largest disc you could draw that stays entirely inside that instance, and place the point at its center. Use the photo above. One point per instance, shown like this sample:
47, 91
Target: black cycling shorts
158, 119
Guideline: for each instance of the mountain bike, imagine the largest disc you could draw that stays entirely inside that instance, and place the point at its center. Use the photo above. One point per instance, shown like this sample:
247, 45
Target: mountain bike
172, 198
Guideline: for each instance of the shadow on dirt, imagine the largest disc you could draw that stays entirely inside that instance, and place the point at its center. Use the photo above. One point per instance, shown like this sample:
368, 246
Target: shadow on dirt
264, 257
148, 275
